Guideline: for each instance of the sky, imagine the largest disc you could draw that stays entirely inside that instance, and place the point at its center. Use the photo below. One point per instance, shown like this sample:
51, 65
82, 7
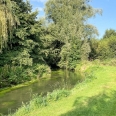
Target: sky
105, 21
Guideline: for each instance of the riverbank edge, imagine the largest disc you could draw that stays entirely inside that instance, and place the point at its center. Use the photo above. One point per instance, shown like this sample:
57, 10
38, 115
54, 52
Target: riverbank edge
8, 89
83, 68
21, 85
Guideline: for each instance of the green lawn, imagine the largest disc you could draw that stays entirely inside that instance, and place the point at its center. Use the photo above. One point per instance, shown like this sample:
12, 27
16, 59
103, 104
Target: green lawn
93, 97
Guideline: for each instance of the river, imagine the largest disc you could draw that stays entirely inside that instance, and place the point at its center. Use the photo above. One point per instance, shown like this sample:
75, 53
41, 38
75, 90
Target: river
59, 79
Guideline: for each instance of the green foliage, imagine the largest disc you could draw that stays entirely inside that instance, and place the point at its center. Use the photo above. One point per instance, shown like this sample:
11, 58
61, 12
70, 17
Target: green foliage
63, 41
12, 75
41, 70
25, 46
8, 19
109, 33
52, 48
93, 45
37, 101
103, 50
107, 48
112, 45
70, 56
57, 94
22, 59
26, 37
85, 50
70, 30
24, 51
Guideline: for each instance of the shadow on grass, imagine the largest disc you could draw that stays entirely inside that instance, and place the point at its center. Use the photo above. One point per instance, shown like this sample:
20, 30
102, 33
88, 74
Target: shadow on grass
100, 105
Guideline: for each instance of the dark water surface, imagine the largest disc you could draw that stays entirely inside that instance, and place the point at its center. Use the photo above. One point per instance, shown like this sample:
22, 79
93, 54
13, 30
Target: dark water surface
12, 100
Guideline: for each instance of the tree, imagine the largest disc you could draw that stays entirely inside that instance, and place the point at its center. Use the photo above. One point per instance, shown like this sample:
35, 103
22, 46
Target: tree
107, 46
69, 19
103, 50
7, 21
109, 33
24, 47
112, 45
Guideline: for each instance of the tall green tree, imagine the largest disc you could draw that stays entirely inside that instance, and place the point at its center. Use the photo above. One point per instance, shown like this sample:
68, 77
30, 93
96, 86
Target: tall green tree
69, 19
24, 47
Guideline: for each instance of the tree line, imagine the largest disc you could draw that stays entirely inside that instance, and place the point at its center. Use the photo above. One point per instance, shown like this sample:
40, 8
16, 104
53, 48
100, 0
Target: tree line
31, 47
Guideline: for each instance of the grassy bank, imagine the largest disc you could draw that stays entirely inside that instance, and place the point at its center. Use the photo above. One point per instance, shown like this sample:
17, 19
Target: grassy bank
95, 96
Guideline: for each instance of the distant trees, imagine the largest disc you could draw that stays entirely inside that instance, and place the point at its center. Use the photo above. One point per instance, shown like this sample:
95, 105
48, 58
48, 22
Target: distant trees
104, 48
107, 48
109, 33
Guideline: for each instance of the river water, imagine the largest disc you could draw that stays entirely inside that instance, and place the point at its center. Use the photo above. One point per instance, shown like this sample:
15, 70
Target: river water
12, 100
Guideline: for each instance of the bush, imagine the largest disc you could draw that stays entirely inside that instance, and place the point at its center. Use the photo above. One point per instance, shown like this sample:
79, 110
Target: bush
12, 75
57, 94
42, 70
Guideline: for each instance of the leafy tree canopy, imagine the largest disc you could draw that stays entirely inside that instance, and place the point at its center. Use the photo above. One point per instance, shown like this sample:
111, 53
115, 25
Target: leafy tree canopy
109, 33
69, 18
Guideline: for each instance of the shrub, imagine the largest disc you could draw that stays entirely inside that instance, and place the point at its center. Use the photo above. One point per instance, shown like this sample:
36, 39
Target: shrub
57, 94
12, 75
42, 70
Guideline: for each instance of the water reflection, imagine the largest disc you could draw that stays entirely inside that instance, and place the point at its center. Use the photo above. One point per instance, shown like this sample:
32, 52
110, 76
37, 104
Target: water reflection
59, 79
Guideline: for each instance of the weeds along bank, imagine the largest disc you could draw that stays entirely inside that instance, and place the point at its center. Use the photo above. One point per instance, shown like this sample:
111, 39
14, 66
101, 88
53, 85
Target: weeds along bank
94, 96
13, 75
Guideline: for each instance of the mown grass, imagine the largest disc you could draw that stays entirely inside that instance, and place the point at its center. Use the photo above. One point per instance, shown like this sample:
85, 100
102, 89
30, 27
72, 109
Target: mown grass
95, 96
